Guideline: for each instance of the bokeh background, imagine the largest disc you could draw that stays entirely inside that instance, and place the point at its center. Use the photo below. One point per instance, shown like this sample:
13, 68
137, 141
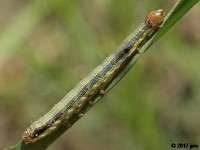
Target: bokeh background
48, 46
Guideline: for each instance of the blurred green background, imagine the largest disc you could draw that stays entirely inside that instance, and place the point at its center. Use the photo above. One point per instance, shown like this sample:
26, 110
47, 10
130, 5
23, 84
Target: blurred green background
47, 47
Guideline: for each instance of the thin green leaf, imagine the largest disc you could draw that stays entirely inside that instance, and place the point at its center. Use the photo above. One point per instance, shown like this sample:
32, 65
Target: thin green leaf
180, 9
176, 13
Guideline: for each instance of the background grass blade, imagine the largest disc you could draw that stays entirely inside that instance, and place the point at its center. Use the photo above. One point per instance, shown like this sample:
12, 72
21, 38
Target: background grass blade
27, 19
